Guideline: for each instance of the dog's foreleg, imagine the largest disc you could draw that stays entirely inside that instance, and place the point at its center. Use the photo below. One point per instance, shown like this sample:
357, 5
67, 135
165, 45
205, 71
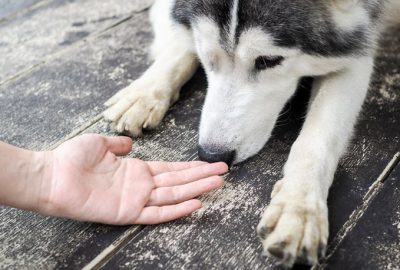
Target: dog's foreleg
295, 225
144, 103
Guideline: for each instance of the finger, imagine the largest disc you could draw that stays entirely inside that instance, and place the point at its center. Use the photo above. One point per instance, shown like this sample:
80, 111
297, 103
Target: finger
178, 194
157, 167
175, 178
155, 215
120, 146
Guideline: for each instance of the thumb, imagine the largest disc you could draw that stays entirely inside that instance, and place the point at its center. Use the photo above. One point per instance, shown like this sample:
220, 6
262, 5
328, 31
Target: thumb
120, 146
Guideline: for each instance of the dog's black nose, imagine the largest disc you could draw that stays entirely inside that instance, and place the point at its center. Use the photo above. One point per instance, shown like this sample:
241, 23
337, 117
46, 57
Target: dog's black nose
216, 155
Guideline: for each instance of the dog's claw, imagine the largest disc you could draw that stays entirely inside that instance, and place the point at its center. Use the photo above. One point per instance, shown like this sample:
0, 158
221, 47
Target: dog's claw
322, 251
263, 232
277, 251
303, 257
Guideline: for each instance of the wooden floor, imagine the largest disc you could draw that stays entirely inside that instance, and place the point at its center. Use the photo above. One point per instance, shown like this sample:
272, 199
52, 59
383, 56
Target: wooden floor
61, 59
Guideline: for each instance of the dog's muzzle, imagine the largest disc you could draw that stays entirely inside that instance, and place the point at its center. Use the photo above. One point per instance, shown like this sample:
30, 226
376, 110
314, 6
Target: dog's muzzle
216, 155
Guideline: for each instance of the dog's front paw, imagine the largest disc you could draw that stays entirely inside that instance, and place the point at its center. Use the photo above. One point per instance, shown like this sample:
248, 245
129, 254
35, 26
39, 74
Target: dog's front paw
294, 227
140, 106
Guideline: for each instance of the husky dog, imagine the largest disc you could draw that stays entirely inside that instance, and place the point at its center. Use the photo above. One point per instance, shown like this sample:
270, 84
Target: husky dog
254, 53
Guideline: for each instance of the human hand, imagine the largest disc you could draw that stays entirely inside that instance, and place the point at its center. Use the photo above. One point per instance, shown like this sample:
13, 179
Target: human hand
89, 182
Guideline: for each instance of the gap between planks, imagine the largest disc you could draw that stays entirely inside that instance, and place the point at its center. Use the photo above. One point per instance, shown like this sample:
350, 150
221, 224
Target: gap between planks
356, 215
113, 249
23, 11
78, 131
91, 37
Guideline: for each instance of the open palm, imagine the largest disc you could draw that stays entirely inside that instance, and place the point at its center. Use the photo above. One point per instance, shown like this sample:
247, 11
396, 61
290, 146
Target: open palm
90, 182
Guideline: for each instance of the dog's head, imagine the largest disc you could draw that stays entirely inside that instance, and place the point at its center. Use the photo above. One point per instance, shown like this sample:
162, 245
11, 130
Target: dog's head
255, 52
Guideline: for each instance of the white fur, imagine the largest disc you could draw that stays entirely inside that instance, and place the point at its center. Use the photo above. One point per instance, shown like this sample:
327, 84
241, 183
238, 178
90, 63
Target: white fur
302, 221
240, 112
349, 15
234, 22
245, 111
144, 103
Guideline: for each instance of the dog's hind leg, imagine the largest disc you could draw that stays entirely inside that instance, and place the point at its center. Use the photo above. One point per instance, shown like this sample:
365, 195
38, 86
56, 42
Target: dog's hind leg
294, 227
144, 103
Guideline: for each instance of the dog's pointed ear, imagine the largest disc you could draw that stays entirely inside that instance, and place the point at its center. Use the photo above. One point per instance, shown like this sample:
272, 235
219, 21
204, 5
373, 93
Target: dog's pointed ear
345, 4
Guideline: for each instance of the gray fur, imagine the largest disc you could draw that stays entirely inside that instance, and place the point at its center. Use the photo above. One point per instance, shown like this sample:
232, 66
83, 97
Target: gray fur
304, 24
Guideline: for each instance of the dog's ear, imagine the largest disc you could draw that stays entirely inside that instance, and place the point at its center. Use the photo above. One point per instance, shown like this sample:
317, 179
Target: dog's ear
345, 4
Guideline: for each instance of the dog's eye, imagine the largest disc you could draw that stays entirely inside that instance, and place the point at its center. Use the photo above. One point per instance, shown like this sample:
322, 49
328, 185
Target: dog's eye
264, 62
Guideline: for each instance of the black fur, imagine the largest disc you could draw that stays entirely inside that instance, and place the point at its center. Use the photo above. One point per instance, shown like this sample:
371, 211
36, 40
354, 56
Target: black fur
303, 24
219, 11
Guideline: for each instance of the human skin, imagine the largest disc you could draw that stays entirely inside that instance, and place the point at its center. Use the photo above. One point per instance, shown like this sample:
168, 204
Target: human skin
86, 179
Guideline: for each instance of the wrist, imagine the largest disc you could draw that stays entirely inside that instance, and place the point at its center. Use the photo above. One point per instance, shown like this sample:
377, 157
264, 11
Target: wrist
24, 175
41, 172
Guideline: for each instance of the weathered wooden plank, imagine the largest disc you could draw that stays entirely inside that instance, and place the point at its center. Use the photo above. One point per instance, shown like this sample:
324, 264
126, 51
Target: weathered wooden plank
374, 243
39, 110
223, 235
34, 242
49, 103
180, 144
68, 244
35, 37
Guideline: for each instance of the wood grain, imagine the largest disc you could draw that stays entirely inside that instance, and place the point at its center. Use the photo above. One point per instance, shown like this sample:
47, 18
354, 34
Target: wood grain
52, 101
374, 243
38, 36
41, 109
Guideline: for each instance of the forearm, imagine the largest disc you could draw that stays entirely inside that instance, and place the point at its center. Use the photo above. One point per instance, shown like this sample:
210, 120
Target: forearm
21, 177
